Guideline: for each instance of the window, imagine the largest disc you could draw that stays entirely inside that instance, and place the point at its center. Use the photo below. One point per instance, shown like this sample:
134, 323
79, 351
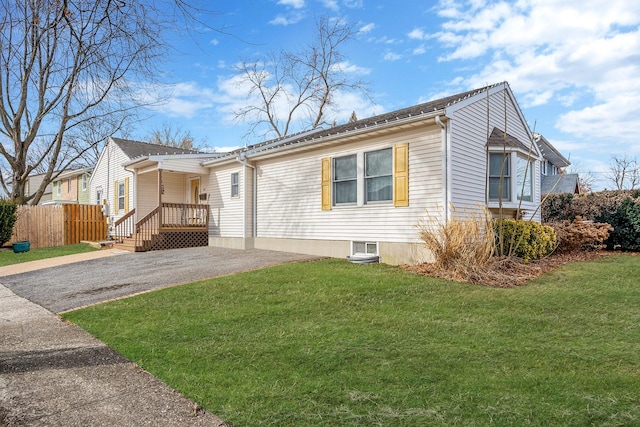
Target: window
372, 177
364, 248
84, 182
524, 175
69, 186
378, 170
121, 196
345, 183
58, 185
99, 196
499, 176
235, 184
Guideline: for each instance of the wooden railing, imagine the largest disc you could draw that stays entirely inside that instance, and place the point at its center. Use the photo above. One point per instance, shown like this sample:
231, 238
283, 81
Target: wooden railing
146, 230
168, 217
125, 226
181, 215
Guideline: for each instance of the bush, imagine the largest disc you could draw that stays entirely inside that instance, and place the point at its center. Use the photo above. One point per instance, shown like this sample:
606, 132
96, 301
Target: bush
625, 221
461, 247
7, 219
581, 234
527, 240
620, 209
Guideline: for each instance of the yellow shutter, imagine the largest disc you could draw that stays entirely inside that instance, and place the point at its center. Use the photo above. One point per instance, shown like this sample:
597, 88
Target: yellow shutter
126, 194
401, 175
326, 184
115, 197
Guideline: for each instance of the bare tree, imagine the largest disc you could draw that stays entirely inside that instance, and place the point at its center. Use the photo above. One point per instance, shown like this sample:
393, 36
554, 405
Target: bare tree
295, 90
71, 70
174, 137
624, 173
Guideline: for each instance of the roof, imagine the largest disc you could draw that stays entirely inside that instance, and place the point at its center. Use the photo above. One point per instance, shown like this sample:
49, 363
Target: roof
71, 173
135, 149
501, 139
550, 153
427, 109
562, 183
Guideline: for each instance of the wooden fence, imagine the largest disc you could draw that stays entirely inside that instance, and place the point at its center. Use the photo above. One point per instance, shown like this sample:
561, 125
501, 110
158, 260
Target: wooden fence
46, 226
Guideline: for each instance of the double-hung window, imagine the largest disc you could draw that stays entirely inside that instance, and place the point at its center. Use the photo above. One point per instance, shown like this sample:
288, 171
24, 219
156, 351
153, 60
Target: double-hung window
121, 196
235, 184
500, 176
377, 177
378, 172
345, 180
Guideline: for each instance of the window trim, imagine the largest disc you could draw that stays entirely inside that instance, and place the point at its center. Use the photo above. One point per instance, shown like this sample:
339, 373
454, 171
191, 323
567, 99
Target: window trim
504, 177
520, 188
235, 186
361, 179
121, 196
367, 244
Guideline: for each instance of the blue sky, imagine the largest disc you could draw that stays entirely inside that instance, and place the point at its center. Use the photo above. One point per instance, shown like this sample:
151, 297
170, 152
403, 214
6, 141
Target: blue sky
573, 65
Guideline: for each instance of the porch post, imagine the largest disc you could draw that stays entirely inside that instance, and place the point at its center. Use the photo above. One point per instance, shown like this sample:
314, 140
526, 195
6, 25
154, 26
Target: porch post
160, 192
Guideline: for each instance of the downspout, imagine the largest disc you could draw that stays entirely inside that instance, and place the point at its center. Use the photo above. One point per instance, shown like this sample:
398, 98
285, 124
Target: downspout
446, 154
243, 161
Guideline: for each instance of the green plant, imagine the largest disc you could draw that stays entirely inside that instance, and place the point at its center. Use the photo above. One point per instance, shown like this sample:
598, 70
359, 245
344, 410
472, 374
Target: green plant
10, 258
625, 221
528, 240
330, 343
7, 220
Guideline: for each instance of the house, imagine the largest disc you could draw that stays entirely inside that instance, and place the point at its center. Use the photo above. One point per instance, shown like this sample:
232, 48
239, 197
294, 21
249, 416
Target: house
71, 186
33, 184
554, 180
357, 189
115, 186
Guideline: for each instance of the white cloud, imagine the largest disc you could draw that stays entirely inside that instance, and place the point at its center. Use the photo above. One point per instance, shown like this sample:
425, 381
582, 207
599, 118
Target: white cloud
296, 4
584, 56
392, 56
367, 28
185, 99
417, 34
292, 18
331, 4
214, 42
349, 68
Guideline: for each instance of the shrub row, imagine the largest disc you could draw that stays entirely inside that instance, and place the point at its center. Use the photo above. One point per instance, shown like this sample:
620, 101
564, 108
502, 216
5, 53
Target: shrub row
620, 209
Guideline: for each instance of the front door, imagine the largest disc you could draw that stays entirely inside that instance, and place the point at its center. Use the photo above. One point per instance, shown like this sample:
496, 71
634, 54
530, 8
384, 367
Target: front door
195, 190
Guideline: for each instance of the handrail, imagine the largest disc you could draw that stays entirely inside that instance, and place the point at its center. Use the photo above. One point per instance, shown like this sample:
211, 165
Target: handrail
124, 226
146, 229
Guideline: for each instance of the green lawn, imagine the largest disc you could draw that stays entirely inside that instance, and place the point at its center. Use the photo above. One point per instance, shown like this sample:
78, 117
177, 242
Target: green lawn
329, 343
8, 257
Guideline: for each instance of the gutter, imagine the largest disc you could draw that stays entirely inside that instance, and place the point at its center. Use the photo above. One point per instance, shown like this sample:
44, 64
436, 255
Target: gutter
446, 172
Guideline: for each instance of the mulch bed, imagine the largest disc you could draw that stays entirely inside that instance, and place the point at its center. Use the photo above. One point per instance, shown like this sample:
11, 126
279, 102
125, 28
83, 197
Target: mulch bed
511, 272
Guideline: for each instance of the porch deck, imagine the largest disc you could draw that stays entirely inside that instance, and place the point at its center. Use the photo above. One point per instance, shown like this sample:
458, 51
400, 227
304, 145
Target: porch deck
168, 226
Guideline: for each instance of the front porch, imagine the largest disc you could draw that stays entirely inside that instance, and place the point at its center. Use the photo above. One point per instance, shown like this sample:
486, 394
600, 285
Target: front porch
168, 226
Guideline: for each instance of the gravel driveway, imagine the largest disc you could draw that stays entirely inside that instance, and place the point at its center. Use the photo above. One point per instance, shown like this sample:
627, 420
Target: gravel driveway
83, 283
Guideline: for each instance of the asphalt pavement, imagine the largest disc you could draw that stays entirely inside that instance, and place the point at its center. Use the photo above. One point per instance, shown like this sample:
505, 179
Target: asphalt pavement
53, 373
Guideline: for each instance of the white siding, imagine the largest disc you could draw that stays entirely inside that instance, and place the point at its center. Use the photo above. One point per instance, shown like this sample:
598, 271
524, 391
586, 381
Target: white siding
470, 126
108, 170
289, 193
225, 212
147, 193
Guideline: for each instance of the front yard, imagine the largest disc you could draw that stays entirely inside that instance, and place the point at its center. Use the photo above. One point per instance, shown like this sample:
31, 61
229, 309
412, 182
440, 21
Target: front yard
336, 344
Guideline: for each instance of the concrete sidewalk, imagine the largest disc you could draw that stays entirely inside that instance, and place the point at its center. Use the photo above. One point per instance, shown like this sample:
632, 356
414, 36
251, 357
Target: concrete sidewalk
53, 373
56, 261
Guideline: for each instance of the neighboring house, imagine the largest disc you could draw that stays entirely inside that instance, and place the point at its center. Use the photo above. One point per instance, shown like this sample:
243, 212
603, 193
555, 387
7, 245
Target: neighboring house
34, 182
553, 178
113, 185
357, 189
71, 186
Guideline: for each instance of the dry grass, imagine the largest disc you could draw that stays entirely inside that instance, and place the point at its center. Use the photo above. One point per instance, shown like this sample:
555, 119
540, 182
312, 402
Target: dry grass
463, 246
